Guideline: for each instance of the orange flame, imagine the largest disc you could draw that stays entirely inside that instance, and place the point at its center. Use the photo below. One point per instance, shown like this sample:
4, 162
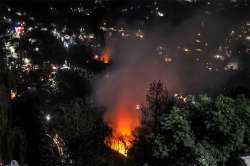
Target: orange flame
105, 57
123, 121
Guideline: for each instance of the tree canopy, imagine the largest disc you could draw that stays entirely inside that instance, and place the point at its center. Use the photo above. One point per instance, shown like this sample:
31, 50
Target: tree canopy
201, 131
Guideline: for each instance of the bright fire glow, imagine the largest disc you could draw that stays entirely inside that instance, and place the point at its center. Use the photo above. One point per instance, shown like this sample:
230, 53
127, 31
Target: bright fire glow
122, 121
120, 144
105, 57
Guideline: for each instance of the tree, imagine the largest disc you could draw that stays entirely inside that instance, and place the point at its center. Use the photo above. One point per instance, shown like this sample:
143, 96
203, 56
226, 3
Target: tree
12, 139
202, 131
210, 130
80, 125
72, 85
157, 104
175, 139
157, 99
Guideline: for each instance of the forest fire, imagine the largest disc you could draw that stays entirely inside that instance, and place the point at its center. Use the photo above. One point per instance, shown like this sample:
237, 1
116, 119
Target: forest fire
105, 57
120, 144
123, 122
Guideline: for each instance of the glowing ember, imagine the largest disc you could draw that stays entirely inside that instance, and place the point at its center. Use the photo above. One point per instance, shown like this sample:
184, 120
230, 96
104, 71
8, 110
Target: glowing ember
105, 57
123, 121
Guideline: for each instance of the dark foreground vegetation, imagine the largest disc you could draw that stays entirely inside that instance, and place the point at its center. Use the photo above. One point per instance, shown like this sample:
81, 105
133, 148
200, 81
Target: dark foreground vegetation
201, 130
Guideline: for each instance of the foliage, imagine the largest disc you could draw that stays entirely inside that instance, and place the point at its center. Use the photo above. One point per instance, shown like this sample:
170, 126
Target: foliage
80, 125
203, 131
12, 139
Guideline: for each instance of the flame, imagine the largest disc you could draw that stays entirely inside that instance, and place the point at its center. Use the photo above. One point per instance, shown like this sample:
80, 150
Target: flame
122, 121
105, 57
120, 144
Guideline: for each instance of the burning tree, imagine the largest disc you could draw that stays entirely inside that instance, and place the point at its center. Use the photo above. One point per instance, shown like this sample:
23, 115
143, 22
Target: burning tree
120, 144
123, 122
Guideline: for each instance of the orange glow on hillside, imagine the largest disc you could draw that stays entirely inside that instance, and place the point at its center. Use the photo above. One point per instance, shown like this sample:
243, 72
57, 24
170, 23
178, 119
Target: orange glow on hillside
123, 121
105, 57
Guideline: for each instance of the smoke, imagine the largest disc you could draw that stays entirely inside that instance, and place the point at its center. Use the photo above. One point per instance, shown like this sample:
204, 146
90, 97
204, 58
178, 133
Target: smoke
136, 64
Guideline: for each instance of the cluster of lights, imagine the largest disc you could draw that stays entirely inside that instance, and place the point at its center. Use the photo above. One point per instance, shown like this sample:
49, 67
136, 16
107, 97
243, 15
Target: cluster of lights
157, 10
181, 98
81, 10
67, 40
58, 142
124, 33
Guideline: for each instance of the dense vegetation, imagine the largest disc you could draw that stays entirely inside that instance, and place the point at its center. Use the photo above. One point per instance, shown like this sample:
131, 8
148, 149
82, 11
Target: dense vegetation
203, 131
200, 131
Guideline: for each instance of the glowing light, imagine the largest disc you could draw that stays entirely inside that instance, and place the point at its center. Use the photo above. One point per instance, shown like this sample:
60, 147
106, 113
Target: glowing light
198, 49
232, 66
54, 67
96, 57
168, 60
120, 144
220, 57
139, 34
19, 31
197, 41
138, 107
13, 94
122, 122
105, 57
160, 14
181, 98
66, 45
186, 50
26, 61
37, 49
48, 117
65, 66
184, 99
58, 141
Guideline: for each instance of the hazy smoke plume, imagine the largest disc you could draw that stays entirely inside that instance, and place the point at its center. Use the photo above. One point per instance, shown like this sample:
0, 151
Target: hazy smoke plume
136, 64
